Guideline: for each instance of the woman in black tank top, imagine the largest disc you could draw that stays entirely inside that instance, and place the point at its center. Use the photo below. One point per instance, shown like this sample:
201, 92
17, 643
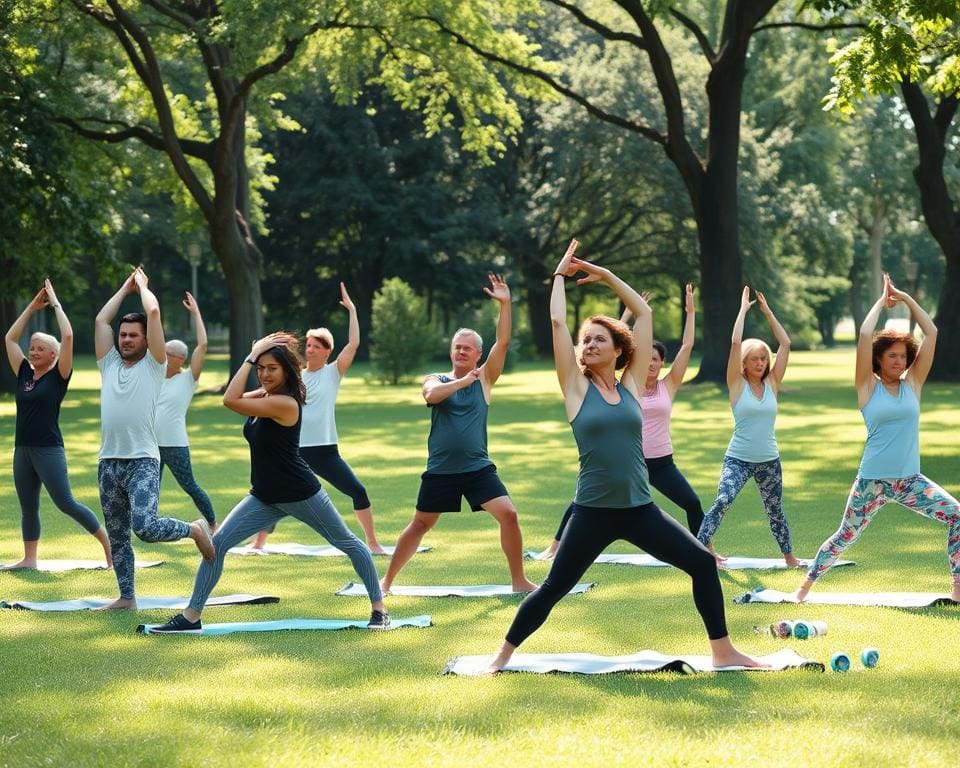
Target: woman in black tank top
281, 482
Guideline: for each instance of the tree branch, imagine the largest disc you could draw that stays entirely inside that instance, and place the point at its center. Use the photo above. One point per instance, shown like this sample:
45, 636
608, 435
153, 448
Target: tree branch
802, 25
697, 33
153, 80
198, 149
601, 29
185, 20
644, 130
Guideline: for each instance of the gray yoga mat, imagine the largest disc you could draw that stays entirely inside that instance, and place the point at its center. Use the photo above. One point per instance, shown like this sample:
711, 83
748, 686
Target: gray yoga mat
303, 550
354, 589
143, 603
733, 563
643, 661
58, 566
866, 599
211, 630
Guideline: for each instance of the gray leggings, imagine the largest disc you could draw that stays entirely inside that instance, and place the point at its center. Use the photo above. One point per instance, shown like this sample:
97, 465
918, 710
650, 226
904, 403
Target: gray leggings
47, 465
252, 515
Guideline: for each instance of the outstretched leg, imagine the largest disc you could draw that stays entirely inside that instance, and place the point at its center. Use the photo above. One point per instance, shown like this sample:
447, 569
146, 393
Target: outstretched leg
511, 540
407, 545
769, 477
865, 499
733, 476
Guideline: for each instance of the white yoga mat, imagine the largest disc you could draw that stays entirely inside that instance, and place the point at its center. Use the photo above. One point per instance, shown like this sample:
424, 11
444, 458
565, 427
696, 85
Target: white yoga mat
354, 589
644, 661
143, 603
57, 566
303, 550
732, 563
867, 599
213, 630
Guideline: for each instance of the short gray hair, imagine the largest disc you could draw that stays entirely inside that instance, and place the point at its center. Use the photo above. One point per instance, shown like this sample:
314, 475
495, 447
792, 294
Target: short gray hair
50, 341
176, 348
477, 338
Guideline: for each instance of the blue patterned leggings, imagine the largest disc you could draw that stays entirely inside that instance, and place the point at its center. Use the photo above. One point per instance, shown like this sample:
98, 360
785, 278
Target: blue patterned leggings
129, 495
917, 493
252, 515
733, 476
178, 459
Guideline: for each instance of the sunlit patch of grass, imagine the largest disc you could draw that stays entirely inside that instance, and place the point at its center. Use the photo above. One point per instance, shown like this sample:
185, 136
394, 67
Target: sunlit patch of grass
83, 689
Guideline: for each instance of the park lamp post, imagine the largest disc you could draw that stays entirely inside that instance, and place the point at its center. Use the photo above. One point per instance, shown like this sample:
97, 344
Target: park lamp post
193, 258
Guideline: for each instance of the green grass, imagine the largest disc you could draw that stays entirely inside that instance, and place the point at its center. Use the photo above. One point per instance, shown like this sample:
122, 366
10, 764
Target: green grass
83, 689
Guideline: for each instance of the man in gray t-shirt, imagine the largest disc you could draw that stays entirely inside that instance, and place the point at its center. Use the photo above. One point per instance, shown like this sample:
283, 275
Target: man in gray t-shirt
458, 465
132, 373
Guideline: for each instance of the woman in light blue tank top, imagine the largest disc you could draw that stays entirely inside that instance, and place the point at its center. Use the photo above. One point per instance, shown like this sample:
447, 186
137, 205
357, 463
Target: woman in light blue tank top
613, 497
891, 370
754, 385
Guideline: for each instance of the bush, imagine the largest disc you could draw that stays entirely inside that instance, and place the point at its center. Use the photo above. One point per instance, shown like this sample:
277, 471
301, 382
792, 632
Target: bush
401, 338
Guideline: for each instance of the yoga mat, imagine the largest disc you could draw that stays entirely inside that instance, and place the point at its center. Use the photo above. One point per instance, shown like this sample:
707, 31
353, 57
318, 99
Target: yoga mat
211, 630
732, 564
867, 599
481, 590
644, 661
143, 603
303, 550
57, 566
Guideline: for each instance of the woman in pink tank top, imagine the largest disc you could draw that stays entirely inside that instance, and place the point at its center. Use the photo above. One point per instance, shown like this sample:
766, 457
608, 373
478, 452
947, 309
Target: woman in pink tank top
657, 405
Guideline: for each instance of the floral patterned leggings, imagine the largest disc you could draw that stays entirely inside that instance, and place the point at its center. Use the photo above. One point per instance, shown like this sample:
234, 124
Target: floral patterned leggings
917, 493
733, 476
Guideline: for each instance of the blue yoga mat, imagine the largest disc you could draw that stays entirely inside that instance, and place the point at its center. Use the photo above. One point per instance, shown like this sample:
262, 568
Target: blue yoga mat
213, 630
864, 599
59, 566
143, 603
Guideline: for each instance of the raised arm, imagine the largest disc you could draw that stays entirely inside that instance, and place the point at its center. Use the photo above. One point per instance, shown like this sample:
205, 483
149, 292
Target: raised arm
571, 378
918, 372
13, 335
156, 344
783, 343
199, 355
345, 358
280, 408
678, 368
864, 378
65, 360
102, 331
490, 371
734, 363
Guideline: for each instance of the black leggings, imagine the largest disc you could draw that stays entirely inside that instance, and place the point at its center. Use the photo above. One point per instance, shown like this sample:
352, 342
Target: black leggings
666, 478
591, 530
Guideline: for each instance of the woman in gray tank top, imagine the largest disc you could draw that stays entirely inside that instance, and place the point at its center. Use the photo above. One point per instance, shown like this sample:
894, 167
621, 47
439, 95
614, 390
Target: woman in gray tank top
613, 498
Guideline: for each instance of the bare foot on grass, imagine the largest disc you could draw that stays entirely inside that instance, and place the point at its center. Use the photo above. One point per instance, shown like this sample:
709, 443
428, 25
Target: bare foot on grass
120, 604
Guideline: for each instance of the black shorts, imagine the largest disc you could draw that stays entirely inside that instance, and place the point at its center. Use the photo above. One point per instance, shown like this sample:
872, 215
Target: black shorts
442, 493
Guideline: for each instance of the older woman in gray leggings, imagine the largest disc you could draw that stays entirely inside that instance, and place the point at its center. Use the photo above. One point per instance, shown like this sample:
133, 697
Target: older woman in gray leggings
39, 457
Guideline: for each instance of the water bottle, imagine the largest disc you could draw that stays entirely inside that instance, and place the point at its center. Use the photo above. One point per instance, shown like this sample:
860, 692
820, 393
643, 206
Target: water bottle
804, 630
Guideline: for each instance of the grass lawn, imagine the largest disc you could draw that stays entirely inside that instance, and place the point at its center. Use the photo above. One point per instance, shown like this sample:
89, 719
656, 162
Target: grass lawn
82, 689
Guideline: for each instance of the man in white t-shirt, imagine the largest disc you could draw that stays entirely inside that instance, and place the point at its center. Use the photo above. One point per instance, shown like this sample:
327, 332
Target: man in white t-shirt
178, 387
132, 373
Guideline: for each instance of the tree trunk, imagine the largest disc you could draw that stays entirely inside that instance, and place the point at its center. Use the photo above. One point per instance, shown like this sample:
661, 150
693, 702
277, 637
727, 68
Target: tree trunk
241, 268
717, 212
942, 219
528, 257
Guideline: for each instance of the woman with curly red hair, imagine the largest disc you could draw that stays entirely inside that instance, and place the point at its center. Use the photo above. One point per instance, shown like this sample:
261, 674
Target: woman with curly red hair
891, 369
613, 498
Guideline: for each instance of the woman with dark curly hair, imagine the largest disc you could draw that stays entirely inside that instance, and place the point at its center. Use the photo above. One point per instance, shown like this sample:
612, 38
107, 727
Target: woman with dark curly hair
891, 369
282, 483
613, 499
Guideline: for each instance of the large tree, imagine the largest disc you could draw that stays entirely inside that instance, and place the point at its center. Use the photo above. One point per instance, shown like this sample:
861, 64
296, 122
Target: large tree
912, 46
707, 163
188, 78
